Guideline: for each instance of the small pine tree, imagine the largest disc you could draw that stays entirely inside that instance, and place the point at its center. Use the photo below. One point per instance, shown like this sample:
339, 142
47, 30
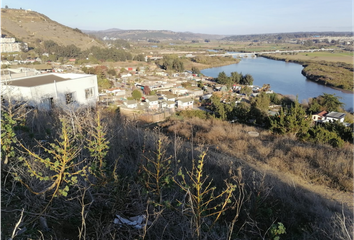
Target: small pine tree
295, 122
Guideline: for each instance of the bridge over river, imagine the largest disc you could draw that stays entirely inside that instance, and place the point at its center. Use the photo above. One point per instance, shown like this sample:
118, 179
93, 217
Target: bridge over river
254, 54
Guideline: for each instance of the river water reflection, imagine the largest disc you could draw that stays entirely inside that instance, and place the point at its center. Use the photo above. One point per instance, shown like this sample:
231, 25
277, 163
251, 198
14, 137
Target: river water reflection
284, 78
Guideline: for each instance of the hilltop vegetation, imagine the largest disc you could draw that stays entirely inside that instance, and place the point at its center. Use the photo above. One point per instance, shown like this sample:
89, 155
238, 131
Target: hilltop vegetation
157, 35
32, 27
191, 178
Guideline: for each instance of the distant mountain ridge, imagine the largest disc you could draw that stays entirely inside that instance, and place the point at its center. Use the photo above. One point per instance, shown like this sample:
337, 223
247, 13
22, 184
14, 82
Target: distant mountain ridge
286, 36
33, 28
152, 34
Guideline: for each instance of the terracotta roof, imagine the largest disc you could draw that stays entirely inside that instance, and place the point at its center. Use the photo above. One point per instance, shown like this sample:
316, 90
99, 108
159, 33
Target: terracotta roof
112, 89
322, 113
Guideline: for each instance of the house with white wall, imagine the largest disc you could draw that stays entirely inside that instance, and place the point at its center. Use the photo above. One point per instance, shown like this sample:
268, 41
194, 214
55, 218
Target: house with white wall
131, 104
185, 103
197, 92
171, 105
169, 97
179, 91
116, 91
319, 116
153, 102
48, 90
334, 116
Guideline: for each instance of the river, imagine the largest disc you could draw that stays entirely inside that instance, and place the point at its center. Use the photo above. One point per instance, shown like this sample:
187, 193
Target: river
284, 78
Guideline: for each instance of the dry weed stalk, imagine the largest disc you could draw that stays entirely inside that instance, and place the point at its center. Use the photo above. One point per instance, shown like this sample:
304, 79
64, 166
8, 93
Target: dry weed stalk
16, 230
98, 146
63, 170
237, 200
84, 212
202, 203
158, 171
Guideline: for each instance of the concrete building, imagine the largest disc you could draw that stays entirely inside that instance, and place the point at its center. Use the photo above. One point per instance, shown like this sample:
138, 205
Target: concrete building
9, 45
185, 103
48, 90
334, 116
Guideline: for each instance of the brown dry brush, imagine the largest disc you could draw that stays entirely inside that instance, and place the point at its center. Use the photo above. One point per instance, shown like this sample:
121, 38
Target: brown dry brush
261, 199
307, 161
316, 163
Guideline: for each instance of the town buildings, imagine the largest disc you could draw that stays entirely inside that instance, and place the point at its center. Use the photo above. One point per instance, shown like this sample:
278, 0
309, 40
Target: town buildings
10, 45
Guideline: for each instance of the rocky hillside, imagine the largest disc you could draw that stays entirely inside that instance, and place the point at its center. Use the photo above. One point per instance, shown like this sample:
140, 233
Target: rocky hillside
32, 27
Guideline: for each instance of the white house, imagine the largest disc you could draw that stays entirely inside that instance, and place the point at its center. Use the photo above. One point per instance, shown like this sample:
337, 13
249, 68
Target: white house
185, 103
131, 104
47, 90
126, 75
334, 116
116, 91
170, 98
163, 104
179, 91
171, 105
196, 92
206, 96
319, 116
153, 102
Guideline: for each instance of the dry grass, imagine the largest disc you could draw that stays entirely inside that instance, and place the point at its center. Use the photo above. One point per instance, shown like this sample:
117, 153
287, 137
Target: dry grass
320, 164
30, 25
276, 176
321, 56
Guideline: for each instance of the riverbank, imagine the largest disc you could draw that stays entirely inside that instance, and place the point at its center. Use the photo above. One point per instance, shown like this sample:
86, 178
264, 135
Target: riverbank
336, 75
284, 78
209, 62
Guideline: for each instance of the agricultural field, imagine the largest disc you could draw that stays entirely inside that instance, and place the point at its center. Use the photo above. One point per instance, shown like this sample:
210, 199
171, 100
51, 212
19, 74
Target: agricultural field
346, 57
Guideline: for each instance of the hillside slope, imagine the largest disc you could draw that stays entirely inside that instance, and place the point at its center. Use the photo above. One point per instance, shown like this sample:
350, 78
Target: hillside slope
153, 34
32, 27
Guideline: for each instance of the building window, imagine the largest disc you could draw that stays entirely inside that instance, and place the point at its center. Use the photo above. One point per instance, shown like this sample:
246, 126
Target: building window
89, 93
49, 102
69, 98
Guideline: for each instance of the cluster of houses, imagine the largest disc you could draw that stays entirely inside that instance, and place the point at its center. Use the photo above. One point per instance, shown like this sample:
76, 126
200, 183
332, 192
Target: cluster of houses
170, 93
67, 90
161, 102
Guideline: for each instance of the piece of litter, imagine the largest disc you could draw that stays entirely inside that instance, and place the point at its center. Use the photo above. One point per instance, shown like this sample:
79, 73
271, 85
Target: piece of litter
136, 221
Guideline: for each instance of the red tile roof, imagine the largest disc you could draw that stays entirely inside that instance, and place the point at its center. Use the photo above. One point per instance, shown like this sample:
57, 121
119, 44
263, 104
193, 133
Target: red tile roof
322, 113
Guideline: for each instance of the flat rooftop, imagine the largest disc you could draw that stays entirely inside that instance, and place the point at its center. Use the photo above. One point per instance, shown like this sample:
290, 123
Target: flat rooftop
36, 80
336, 115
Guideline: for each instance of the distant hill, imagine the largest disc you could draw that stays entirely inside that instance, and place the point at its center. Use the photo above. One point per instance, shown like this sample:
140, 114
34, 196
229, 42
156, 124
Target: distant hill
32, 27
286, 36
160, 35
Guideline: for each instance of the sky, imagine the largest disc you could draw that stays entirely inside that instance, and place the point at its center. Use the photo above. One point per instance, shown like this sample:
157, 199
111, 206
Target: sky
225, 17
